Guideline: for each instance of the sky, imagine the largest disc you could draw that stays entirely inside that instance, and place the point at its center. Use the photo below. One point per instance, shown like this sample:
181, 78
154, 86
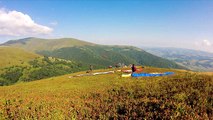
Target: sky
153, 23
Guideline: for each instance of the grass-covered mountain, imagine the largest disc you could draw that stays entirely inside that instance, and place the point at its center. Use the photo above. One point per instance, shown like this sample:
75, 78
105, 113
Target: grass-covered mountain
10, 56
192, 59
38, 44
89, 53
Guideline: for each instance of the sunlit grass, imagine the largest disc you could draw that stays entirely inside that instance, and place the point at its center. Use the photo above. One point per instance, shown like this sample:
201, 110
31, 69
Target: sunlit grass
10, 56
66, 97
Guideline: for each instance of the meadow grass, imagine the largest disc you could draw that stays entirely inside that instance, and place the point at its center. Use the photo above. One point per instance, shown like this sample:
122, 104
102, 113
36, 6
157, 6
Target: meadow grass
185, 95
10, 56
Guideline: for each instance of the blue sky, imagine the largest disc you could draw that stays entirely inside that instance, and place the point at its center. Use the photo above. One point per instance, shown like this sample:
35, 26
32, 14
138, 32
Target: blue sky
161, 23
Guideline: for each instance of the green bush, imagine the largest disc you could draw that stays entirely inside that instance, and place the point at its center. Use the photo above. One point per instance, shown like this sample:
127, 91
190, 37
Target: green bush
3, 82
12, 74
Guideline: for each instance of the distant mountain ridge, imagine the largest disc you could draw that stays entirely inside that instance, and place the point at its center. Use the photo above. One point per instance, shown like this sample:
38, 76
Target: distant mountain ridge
38, 44
90, 53
192, 59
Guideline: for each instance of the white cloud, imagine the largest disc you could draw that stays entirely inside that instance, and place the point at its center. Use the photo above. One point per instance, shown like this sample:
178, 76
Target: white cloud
14, 23
206, 43
54, 23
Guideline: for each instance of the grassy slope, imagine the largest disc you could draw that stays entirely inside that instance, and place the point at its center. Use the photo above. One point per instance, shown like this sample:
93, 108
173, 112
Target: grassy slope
56, 86
60, 97
15, 56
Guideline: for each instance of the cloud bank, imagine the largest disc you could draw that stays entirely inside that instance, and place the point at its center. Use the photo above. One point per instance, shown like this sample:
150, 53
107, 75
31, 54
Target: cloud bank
14, 23
205, 45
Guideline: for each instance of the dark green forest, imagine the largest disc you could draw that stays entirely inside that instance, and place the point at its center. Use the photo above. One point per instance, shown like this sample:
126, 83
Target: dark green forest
38, 69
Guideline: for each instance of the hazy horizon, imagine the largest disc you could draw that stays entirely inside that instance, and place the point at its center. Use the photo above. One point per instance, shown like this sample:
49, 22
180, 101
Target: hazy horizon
179, 24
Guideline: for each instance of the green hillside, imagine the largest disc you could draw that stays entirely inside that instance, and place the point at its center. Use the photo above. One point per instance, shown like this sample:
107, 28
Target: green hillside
36, 69
10, 56
100, 56
18, 65
89, 55
184, 95
144, 58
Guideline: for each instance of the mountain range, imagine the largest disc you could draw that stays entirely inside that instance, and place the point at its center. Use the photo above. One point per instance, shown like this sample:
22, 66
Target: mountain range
90, 53
193, 59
